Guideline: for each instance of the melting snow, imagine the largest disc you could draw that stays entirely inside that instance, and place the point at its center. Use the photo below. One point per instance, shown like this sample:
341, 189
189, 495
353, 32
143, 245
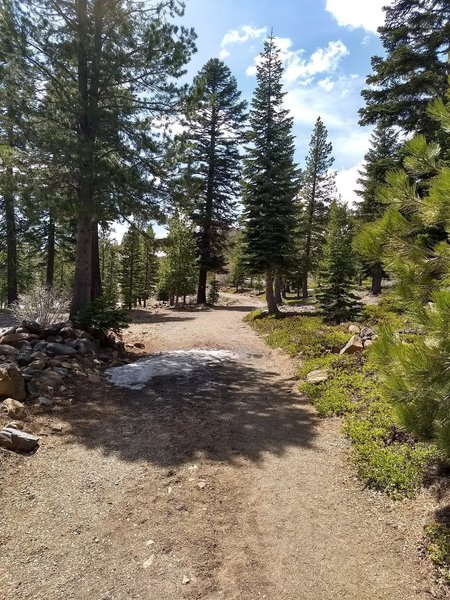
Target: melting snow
180, 362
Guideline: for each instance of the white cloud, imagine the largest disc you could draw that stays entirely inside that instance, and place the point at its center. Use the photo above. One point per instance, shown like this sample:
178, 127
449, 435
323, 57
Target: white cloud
367, 14
299, 69
240, 36
346, 183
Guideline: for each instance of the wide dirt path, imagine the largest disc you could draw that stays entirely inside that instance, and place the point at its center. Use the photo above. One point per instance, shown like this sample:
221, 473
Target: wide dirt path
218, 484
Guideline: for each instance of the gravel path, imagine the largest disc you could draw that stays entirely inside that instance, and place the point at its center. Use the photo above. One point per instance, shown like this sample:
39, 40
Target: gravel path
221, 483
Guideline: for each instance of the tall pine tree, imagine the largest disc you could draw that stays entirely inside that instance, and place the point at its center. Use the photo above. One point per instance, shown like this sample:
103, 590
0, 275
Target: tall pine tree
318, 190
214, 120
270, 175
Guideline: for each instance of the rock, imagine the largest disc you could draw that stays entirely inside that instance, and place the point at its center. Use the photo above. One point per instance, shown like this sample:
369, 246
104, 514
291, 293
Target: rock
37, 365
148, 563
60, 371
366, 333
40, 346
12, 384
44, 401
13, 338
201, 485
317, 376
54, 362
368, 343
94, 378
54, 348
139, 345
54, 328
186, 580
68, 332
57, 428
8, 350
14, 439
84, 346
14, 409
32, 327
15, 425
354, 329
355, 344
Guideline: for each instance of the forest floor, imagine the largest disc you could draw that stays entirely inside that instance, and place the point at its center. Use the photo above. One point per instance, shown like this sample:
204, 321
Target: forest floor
222, 483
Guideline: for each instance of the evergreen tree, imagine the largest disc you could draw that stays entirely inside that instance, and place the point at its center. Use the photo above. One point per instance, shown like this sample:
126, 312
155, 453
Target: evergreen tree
149, 264
179, 268
109, 70
238, 269
270, 175
415, 69
416, 251
110, 267
335, 296
131, 267
213, 293
382, 157
214, 120
317, 191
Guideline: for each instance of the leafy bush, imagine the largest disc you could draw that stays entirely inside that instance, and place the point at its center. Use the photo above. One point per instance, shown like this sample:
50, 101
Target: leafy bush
101, 315
438, 547
43, 305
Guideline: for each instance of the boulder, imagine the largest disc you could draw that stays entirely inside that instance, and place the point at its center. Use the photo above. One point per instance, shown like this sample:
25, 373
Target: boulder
32, 327
368, 343
354, 345
14, 439
68, 332
354, 329
318, 376
13, 338
37, 365
56, 349
12, 384
367, 333
44, 401
8, 350
15, 425
14, 409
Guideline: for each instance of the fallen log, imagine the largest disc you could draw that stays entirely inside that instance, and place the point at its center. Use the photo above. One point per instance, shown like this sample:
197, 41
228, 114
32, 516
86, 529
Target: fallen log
19, 441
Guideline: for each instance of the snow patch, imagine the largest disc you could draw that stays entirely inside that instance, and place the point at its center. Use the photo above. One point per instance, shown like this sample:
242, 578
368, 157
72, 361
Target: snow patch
180, 362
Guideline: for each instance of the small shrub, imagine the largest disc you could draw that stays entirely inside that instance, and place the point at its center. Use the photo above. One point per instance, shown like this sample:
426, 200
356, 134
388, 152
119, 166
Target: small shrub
43, 305
438, 547
101, 315
213, 293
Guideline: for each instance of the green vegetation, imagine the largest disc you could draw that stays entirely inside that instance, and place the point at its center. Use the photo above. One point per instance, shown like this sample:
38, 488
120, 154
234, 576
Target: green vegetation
438, 547
386, 456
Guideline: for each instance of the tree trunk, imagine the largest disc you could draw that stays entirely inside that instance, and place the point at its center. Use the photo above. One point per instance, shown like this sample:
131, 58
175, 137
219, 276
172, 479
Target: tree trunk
270, 296
201, 290
96, 280
82, 281
277, 291
50, 275
11, 247
377, 278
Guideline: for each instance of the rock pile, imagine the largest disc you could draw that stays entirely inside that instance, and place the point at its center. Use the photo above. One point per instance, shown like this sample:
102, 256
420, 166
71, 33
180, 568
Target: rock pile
34, 361
361, 338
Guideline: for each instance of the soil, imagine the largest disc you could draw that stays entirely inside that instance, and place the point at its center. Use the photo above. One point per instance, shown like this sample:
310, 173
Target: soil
224, 484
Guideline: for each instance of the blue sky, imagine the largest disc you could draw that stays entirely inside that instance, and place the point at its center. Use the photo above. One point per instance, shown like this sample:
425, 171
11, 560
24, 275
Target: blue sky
326, 47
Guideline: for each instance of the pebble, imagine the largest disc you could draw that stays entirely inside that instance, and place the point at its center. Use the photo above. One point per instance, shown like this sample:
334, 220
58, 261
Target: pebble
186, 580
148, 563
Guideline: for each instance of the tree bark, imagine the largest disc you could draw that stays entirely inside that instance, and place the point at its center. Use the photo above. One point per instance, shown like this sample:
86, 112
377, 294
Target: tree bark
277, 290
96, 280
82, 281
377, 278
270, 296
201, 290
50, 274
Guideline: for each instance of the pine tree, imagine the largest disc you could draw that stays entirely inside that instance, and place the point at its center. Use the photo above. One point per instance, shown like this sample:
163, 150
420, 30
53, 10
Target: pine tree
270, 175
110, 267
131, 267
109, 71
213, 293
238, 270
383, 156
416, 252
337, 269
149, 264
214, 120
317, 191
414, 71
179, 268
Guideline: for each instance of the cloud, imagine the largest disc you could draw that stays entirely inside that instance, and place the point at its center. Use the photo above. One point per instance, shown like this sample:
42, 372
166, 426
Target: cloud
367, 14
240, 36
298, 69
346, 183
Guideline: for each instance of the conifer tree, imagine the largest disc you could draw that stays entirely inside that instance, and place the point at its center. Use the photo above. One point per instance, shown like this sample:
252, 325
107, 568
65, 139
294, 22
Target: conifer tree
416, 251
270, 175
317, 191
149, 264
131, 267
382, 157
179, 268
337, 269
214, 120
414, 70
238, 270
110, 267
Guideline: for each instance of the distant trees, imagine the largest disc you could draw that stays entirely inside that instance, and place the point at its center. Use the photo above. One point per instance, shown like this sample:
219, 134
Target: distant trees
270, 175
214, 120
317, 191
337, 269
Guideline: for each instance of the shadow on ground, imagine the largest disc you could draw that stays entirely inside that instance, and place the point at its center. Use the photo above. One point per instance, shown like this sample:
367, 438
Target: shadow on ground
142, 316
227, 412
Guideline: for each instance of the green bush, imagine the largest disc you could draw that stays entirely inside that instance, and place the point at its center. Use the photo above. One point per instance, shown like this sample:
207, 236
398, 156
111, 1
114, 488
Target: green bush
102, 315
438, 547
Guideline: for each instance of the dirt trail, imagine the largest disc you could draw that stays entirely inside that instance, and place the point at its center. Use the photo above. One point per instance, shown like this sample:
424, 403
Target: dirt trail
224, 485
